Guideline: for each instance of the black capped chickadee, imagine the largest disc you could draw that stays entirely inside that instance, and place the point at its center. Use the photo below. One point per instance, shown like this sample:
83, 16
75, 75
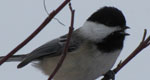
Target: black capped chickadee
92, 52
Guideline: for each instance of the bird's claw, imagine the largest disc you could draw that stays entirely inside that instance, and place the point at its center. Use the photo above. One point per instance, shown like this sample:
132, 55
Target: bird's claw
110, 75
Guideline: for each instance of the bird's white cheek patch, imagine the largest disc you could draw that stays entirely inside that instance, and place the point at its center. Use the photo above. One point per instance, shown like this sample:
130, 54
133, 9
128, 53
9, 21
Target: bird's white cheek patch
95, 31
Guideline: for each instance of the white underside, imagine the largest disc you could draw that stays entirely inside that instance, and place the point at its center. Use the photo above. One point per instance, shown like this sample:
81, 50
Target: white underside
80, 65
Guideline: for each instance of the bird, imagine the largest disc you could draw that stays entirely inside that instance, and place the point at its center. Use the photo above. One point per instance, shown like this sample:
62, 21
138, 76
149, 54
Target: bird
92, 52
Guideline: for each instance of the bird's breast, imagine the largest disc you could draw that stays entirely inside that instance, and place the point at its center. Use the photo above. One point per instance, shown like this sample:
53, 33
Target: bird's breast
86, 63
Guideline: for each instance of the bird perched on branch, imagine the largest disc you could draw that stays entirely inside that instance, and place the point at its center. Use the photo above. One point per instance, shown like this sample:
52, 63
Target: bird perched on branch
93, 49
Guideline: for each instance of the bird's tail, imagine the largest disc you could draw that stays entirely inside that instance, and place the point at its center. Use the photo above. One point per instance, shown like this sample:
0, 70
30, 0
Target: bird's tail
14, 58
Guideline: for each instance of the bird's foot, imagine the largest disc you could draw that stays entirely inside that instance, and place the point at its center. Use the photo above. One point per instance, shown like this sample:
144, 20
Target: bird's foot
110, 75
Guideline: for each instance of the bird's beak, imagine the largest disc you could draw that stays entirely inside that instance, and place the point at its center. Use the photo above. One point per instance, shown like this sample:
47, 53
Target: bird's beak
125, 27
123, 30
124, 33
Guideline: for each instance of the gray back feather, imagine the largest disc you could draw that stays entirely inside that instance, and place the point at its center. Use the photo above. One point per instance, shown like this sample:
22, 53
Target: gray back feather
52, 48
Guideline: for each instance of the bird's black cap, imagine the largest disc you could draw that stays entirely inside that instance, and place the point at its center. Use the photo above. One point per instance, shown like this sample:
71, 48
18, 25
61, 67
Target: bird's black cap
109, 16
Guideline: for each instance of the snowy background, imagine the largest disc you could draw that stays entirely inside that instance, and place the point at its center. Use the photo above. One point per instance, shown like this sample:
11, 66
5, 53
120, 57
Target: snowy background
19, 18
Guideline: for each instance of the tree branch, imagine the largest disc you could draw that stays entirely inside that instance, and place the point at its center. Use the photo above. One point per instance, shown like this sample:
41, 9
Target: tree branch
144, 43
46, 21
64, 54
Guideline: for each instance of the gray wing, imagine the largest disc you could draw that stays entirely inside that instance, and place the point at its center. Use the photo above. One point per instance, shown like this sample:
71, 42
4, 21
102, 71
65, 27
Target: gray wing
52, 48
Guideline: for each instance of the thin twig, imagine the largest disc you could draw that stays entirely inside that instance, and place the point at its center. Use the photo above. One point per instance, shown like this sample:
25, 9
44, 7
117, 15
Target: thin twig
144, 43
144, 35
147, 41
64, 54
59, 22
148, 44
46, 21
44, 4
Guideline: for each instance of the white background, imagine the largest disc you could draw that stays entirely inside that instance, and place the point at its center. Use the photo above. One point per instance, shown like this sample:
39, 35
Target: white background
19, 18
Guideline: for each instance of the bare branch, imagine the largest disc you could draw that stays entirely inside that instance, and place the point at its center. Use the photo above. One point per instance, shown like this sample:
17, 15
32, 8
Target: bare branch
46, 21
147, 41
64, 54
144, 43
144, 35
141, 46
148, 44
